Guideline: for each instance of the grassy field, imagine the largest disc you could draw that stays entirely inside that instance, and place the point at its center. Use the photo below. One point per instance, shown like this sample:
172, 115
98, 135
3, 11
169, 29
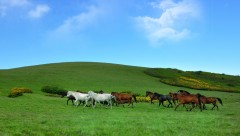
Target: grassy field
38, 114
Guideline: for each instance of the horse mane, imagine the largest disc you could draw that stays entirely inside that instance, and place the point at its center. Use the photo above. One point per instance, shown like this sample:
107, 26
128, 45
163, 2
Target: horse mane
200, 95
149, 92
184, 91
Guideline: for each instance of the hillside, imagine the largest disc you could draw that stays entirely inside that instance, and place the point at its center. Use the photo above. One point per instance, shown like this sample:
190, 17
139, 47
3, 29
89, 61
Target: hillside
196, 80
82, 76
110, 77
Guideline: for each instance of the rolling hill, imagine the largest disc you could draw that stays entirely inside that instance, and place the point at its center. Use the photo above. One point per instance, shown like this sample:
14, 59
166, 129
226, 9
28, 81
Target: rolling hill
108, 77
196, 79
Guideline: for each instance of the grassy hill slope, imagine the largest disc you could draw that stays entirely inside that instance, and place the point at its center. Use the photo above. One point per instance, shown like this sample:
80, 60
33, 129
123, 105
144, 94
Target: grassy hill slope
112, 77
196, 80
81, 76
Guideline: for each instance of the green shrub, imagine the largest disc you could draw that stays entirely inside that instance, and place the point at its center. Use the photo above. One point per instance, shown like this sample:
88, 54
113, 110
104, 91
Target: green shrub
16, 91
53, 90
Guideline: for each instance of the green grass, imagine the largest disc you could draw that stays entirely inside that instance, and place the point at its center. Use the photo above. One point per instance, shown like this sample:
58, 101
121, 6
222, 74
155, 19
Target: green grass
196, 80
35, 114
39, 114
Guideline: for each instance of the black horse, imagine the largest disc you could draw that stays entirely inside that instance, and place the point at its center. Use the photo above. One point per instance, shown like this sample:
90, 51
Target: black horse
163, 98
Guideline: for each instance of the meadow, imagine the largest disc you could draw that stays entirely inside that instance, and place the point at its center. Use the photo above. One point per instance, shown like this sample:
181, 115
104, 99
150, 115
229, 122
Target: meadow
40, 114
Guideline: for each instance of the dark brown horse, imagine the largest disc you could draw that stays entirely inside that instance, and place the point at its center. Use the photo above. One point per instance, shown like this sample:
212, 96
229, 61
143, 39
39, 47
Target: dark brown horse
188, 99
210, 100
152, 96
122, 98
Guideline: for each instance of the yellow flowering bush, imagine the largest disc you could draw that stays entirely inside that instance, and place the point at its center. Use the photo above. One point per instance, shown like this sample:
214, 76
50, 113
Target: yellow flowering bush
15, 92
144, 99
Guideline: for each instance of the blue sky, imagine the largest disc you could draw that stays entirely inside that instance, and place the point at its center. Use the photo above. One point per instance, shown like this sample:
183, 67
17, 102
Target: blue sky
184, 34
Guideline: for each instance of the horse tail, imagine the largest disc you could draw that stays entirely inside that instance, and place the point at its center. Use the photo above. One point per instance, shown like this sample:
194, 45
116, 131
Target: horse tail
220, 101
135, 99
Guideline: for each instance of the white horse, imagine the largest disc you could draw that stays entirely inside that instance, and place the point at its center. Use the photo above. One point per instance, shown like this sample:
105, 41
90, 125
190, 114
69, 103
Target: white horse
79, 97
101, 98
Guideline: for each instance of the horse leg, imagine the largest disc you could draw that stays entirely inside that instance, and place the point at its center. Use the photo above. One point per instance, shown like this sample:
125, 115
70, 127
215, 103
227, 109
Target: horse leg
170, 103
152, 101
177, 106
85, 103
95, 103
163, 104
214, 105
186, 107
76, 102
204, 107
193, 106
174, 102
110, 103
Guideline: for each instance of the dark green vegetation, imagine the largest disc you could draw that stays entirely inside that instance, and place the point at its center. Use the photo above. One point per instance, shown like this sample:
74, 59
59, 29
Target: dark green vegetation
196, 80
40, 114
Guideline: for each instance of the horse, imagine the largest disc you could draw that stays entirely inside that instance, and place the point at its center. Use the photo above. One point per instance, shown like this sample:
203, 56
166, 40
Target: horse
209, 100
174, 98
183, 92
163, 98
122, 98
101, 98
79, 97
151, 95
188, 99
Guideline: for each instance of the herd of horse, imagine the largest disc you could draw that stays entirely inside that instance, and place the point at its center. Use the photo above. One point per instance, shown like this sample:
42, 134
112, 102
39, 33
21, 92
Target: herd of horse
102, 98
178, 98
184, 98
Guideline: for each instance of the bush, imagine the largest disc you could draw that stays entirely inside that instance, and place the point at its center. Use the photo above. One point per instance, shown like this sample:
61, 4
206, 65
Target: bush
144, 99
15, 92
53, 90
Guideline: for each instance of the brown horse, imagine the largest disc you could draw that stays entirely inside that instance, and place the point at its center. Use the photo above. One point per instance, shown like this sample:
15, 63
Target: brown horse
188, 99
122, 98
209, 100
152, 96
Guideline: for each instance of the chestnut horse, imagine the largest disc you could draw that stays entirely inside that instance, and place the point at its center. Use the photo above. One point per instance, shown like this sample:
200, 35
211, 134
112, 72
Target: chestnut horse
152, 96
122, 98
188, 99
209, 100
